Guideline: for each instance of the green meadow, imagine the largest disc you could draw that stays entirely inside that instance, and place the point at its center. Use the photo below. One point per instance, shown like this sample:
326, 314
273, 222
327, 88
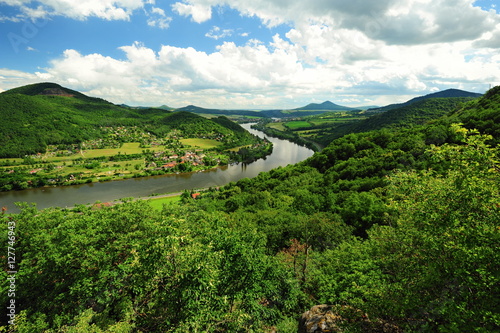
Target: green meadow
201, 143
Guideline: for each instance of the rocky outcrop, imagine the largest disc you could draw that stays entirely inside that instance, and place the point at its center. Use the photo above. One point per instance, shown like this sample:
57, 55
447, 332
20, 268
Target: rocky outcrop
334, 318
55, 92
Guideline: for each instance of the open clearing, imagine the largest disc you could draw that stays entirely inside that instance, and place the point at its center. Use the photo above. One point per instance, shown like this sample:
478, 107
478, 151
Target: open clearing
279, 126
297, 124
158, 203
201, 143
126, 148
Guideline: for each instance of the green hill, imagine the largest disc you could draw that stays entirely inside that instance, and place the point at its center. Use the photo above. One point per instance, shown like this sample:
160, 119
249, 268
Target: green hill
32, 121
395, 229
407, 115
38, 115
448, 93
482, 114
197, 109
190, 124
326, 106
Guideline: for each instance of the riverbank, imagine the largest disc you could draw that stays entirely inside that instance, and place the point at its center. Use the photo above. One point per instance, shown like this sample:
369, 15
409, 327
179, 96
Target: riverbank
284, 153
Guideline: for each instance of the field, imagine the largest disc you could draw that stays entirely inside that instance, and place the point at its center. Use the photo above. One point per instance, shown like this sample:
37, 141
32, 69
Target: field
201, 143
279, 126
238, 148
297, 124
126, 148
315, 127
157, 203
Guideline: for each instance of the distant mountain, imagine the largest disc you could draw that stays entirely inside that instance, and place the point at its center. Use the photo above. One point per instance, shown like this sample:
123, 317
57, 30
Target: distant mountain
448, 93
419, 112
327, 106
366, 107
197, 109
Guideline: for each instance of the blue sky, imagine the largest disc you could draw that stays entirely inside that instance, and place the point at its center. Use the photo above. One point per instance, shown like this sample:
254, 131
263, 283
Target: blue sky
251, 53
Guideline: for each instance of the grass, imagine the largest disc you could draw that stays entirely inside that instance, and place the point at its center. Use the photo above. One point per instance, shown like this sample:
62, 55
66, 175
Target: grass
297, 124
238, 148
201, 143
11, 160
126, 148
158, 203
278, 126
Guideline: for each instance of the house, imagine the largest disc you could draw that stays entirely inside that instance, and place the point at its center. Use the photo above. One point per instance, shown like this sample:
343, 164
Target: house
195, 195
101, 205
169, 165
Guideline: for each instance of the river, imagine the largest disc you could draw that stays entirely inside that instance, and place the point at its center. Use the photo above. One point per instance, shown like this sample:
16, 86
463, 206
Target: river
284, 153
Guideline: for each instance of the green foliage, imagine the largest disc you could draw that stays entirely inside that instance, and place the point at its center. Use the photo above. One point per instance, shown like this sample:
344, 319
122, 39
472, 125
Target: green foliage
47, 114
399, 224
433, 269
129, 267
406, 116
483, 115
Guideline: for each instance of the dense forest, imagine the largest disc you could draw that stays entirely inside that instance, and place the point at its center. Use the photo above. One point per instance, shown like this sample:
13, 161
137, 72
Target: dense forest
395, 228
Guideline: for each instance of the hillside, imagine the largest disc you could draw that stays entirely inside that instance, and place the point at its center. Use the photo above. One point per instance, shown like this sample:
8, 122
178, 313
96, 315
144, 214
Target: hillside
482, 114
395, 229
31, 122
53, 89
326, 106
448, 93
39, 115
200, 110
407, 115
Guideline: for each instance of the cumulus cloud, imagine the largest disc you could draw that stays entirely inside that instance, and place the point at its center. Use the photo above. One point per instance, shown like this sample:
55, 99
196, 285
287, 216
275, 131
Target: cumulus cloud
490, 39
404, 22
332, 49
218, 33
158, 18
199, 12
80, 10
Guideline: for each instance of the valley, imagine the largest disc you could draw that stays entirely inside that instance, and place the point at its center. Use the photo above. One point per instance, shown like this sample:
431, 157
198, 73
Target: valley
391, 225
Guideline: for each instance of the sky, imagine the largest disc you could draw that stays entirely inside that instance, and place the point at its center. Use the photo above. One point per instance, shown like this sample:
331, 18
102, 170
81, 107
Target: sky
251, 54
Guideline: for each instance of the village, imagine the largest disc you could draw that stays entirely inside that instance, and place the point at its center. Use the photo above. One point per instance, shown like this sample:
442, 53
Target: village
122, 153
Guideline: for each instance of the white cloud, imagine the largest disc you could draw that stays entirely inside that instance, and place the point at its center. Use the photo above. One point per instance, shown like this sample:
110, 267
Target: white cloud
158, 18
218, 33
377, 52
80, 10
12, 78
394, 22
199, 12
280, 74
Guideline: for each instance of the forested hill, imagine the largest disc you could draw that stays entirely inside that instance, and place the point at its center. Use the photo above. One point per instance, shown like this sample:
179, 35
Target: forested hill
407, 115
396, 229
326, 106
448, 93
52, 89
197, 109
44, 114
190, 124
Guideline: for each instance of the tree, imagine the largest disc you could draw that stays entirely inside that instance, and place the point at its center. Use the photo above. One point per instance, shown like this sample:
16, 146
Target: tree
434, 267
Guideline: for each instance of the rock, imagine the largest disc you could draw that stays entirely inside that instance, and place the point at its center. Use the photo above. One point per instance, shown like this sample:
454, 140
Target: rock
320, 318
335, 318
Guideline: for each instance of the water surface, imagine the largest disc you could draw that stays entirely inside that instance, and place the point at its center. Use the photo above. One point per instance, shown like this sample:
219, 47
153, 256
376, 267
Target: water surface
284, 153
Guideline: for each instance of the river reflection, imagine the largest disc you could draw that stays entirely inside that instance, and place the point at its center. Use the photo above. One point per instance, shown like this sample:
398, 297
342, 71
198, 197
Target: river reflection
284, 153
